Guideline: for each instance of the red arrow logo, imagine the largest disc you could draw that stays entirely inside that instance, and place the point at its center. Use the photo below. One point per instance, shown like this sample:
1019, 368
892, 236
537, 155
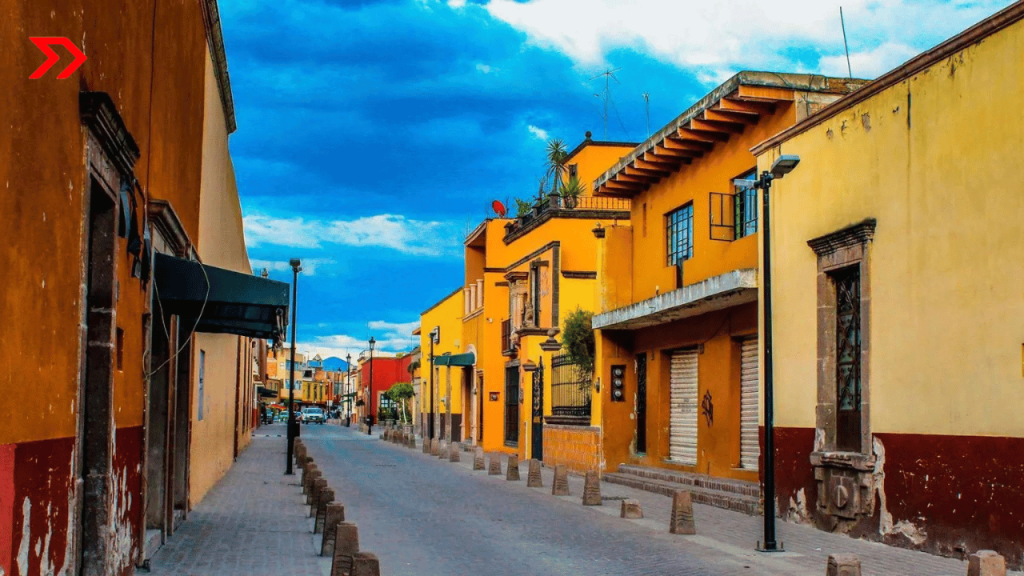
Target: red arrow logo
43, 43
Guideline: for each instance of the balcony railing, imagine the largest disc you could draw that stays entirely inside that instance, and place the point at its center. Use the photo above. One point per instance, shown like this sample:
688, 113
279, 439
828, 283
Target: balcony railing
558, 207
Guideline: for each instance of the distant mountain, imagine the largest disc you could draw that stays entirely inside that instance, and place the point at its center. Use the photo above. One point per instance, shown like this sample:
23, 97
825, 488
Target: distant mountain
334, 364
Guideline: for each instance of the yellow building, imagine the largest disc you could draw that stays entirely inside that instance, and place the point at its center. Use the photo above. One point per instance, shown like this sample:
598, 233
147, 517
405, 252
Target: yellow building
523, 276
898, 296
446, 365
676, 332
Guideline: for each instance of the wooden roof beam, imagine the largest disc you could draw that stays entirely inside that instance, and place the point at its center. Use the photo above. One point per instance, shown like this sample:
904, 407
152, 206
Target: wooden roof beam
700, 137
662, 151
635, 178
614, 188
674, 142
706, 131
765, 93
662, 163
745, 106
740, 118
633, 170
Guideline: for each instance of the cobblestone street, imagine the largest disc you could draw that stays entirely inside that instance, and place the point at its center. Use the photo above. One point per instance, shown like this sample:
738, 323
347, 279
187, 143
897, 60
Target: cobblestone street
424, 516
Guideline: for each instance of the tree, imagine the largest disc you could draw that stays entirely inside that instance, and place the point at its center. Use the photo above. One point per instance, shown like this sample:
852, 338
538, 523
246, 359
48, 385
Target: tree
399, 393
557, 155
578, 339
413, 367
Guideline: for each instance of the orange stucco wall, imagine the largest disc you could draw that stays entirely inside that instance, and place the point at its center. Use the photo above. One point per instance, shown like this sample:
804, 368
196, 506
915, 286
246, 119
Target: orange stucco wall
155, 77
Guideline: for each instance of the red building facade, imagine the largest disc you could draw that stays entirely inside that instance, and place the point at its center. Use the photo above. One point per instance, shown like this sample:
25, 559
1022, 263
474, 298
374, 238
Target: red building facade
386, 373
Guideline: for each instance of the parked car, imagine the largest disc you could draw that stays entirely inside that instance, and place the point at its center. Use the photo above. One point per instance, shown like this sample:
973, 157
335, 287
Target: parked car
312, 416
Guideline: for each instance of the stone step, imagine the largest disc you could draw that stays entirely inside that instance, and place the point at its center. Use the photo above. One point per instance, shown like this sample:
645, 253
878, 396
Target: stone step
704, 481
727, 500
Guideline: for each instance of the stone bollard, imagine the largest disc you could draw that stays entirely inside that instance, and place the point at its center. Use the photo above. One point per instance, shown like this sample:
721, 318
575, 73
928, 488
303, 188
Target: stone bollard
434, 447
534, 479
985, 563
326, 497
494, 464
306, 466
454, 455
843, 565
592, 489
411, 442
335, 513
310, 477
631, 509
681, 521
560, 487
512, 473
478, 459
365, 564
319, 484
442, 449
426, 445
346, 545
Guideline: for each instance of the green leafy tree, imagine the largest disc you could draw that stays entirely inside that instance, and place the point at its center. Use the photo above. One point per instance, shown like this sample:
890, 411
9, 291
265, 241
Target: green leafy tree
578, 339
400, 393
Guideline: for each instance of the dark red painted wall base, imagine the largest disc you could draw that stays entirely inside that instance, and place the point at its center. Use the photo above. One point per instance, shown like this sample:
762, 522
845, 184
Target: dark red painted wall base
961, 493
43, 487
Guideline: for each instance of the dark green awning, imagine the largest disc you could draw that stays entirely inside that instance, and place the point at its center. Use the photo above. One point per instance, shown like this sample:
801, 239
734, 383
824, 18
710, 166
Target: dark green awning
235, 303
266, 392
467, 359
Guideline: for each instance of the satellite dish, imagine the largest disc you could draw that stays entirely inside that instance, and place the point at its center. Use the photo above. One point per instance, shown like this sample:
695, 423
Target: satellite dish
498, 208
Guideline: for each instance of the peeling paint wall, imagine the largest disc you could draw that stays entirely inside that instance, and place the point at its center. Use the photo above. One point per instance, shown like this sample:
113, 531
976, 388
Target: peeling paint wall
943, 180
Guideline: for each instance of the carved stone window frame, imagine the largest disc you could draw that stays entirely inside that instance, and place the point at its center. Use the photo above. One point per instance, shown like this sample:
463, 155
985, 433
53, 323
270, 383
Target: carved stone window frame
842, 249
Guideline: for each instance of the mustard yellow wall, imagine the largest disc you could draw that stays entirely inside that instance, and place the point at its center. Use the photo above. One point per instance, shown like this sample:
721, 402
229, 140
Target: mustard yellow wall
448, 315
221, 244
712, 173
592, 161
936, 159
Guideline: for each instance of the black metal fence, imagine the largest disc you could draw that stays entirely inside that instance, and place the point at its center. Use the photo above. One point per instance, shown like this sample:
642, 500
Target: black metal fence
570, 388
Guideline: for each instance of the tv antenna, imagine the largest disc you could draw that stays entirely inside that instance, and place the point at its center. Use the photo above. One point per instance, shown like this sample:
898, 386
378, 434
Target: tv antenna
647, 111
846, 44
609, 75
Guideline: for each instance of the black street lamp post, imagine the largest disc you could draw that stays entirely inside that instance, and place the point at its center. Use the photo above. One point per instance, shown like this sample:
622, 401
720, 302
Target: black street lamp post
782, 166
296, 267
369, 409
348, 380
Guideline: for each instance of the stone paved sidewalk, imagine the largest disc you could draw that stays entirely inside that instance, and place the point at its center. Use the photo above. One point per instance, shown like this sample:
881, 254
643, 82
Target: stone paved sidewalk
733, 534
254, 522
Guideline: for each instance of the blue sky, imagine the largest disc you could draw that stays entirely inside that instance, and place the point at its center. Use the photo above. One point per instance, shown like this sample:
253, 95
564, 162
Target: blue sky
373, 134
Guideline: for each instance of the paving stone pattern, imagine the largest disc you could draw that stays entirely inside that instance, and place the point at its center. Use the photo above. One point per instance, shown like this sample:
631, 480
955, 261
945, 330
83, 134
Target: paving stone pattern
427, 517
254, 522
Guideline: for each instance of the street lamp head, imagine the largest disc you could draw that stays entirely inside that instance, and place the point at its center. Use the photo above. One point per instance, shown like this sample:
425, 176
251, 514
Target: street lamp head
784, 165
435, 335
348, 360
372, 342
295, 263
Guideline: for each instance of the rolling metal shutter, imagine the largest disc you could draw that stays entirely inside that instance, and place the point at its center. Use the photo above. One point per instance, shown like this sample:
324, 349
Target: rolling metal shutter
750, 445
682, 441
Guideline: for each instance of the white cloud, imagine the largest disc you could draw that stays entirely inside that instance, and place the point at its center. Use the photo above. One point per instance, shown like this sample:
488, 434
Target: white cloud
716, 38
484, 68
456, 3
870, 63
390, 337
538, 132
309, 265
384, 230
394, 328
